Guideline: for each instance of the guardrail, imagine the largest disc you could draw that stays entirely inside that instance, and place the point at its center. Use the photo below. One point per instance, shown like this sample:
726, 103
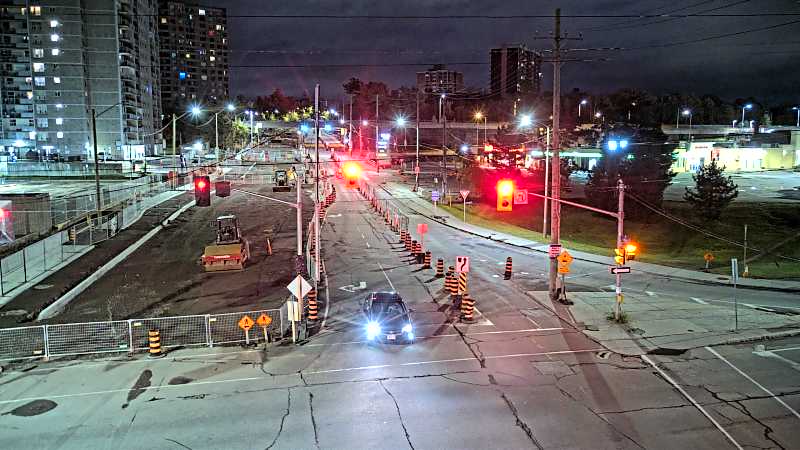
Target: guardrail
130, 336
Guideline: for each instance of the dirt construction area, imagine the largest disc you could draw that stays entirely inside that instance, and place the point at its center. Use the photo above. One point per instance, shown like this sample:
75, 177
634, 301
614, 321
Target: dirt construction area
165, 276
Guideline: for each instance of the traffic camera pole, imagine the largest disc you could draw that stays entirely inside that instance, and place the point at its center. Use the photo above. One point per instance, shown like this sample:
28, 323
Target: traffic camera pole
316, 186
620, 231
555, 205
416, 168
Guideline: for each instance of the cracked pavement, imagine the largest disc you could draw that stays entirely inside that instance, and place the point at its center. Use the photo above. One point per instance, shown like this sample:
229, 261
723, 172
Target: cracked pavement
520, 377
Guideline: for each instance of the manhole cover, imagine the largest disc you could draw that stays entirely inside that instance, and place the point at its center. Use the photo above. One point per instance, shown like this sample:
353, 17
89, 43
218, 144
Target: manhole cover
41, 287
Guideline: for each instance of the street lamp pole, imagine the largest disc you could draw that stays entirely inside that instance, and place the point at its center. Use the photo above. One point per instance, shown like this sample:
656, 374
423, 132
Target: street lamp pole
796, 108
96, 165
416, 167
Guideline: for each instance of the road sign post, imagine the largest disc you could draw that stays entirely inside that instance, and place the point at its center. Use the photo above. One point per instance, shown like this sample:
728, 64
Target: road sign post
464, 194
708, 257
564, 260
245, 323
264, 321
462, 264
299, 287
735, 279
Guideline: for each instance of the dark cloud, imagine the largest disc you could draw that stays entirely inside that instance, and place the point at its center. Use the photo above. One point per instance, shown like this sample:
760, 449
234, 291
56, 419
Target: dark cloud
762, 64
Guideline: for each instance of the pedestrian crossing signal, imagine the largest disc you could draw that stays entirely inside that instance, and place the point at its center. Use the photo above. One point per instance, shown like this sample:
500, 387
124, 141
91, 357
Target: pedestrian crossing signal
505, 195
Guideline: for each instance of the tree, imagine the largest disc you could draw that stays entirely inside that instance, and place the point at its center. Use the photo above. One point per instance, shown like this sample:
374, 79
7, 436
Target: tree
713, 191
644, 165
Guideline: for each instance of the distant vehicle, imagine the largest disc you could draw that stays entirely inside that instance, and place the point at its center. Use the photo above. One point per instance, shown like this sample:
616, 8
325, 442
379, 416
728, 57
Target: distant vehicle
230, 251
281, 182
387, 318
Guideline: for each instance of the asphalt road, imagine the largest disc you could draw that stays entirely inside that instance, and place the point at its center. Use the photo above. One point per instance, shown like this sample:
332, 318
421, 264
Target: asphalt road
518, 378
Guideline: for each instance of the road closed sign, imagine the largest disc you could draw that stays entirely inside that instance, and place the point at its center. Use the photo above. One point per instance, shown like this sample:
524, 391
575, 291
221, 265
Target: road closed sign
462, 264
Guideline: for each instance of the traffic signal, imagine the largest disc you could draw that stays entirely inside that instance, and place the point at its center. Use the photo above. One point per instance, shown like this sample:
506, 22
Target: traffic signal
352, 172
202, 191
505, 195
619, 256
630, 251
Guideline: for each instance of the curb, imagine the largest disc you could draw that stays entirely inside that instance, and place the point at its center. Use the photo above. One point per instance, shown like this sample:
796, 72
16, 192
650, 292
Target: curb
675, 277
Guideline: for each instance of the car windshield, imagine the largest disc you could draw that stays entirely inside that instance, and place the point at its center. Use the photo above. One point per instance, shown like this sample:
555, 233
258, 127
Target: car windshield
389, 314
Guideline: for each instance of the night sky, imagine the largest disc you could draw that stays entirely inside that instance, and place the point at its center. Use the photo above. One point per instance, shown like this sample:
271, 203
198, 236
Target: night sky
763, 63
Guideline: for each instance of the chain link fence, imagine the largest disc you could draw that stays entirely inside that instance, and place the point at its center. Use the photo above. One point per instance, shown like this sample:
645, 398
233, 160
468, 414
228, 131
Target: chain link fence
130, 336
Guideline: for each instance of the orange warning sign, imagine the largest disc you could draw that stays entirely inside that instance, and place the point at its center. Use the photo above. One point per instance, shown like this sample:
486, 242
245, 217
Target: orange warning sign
264, 320
246, 323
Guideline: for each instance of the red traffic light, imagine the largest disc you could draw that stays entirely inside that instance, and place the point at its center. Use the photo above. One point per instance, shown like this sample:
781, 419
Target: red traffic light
200, 184
505, 187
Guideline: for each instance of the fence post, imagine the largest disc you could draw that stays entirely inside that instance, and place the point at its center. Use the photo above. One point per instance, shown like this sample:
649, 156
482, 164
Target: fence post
2, 284
46, 342
280, 313
131, 346
209, 341
44, 255
24, 266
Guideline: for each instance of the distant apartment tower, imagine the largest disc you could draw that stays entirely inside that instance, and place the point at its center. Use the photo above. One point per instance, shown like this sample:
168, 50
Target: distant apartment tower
61, 59
437, 79
194, 54
515, 70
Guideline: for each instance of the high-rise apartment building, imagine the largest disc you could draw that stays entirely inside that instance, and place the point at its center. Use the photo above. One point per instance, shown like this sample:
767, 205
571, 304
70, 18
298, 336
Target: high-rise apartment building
59, 59
515, 70
437, 79
194, 54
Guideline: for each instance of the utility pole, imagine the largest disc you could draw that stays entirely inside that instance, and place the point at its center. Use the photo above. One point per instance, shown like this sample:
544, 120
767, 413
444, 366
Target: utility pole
546, 180
555, 205
350, 122
620, 232
316, 187
416, 167
377, 132
299, 187
97, 165
174, 134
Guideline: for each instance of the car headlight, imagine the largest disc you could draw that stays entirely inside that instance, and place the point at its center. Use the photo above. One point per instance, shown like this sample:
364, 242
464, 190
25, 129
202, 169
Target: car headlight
407, 328
373, 329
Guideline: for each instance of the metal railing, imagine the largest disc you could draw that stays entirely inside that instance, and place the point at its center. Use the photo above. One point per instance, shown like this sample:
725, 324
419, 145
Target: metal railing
130, 336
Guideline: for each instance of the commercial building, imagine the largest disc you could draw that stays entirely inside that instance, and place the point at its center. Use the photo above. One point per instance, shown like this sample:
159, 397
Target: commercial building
61, 59
194, 55
439, 80
515, 70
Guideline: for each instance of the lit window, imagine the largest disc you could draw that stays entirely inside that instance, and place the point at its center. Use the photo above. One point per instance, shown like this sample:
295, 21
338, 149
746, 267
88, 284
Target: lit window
53, 23
38, 53
38, 67
212, 59
188, 56
38, 81
32, 135
163, 20
182, 75
219, 27
55, 52
36, 10
202, 12
54, 38
59, 105
41, 123
29, 94
60, 135
57, 80
59, 121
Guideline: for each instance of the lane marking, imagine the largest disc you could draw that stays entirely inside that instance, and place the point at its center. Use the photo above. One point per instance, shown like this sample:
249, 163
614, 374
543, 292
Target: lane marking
785, 349
760, 386
386, 276
694, 402
318, 372
697, 300
651, 294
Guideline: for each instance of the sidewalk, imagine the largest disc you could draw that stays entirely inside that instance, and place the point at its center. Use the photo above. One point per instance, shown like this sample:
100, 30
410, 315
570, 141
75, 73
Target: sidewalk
425, 208
659, 325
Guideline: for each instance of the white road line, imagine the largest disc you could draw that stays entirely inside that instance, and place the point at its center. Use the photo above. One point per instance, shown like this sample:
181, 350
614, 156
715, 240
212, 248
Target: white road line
386, 276
651, 294
697, 300
789, 408
694, 402
785, 349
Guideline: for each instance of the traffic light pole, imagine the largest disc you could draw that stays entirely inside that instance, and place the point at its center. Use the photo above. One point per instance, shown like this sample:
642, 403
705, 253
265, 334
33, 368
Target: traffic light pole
555, 207
620, 232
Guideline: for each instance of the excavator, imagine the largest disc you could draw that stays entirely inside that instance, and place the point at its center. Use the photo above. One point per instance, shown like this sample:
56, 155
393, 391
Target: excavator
230, 251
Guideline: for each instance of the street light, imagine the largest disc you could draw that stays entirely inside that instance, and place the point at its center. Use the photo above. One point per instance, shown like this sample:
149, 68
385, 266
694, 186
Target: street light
525, 120
478, 116
797, 108
598, 115
745, 107
365, 122
688, 112
583, 102
230, 107
401, 121
196, 110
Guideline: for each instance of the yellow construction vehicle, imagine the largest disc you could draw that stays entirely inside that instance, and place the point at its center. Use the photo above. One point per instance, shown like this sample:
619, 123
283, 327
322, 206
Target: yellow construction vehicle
281, 182
230, 251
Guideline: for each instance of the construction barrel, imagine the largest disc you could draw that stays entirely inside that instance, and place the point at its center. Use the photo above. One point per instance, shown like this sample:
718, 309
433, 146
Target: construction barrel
467, 309
507, 274
418, 253
154, 341
313, 307
426, 263
413, 249
453, 281
439, 268
408, 241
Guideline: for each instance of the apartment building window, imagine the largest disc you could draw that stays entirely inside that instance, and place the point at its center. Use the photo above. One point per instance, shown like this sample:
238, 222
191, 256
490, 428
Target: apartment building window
202, 12
57, 80
42, 136
41, 109
54, 38
59, 106
36, 27
163, 20
38, 53
59, 121
36, 10
12, 122
53, 23
57, 94
60, 135
39, 81
41, 123
38, 67
55, 52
